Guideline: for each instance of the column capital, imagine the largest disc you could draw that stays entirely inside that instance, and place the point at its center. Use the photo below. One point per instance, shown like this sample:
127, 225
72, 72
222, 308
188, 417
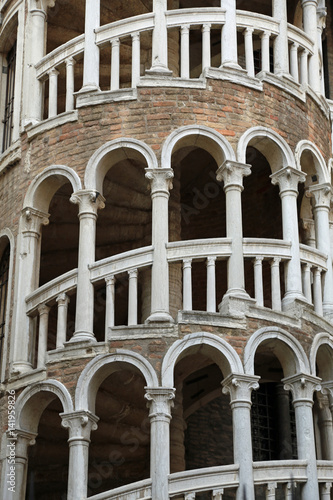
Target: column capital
22, 440
110, 279
160, 402
321, 18
240, 386
305, 3
63, 299
89, 201
302, 387
43, 309
160, 179
327, 388
321, 193
288, 178
34, 219
232, 173
79, 423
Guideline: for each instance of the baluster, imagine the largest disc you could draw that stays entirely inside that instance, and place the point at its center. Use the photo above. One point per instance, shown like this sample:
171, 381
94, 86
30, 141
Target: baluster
304, 67
63, 301
70, 83
258, 281
265, 57
187, 284
206, 52
248, 39
133, 297
317, 291
326, 491
115, 61
53, 92
289, 491
110, 303
275, 284
211, 286
189, 496
270, 491
135, 59
185, 51
294, 61
217, 494
43, 311
306, 278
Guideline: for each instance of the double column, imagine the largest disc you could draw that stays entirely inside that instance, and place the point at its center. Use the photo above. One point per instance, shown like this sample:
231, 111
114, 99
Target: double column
160, 402
321, 194
232, 173
240, 387
89, 202
302, 387
288, 178
80, 424
160, 183
28, 257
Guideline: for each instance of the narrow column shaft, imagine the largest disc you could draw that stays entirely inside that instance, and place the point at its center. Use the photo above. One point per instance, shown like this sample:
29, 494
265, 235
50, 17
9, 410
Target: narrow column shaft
229, 35
275, 284
270, 491
110, 303
248, 34
160, 38
310, 28
185, 52
62, 301
43, 334
115, 63
135, 59
265, 63
307, 282
160, 184
294, 61
91, 50
133, 297
258, 283
206, 51
187, 284
281, 56
211, 285
70, 62
304, 67
317, 293
21, 443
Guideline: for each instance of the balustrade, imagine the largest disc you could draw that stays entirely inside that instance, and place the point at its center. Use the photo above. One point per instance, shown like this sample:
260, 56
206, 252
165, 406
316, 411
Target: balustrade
260, 36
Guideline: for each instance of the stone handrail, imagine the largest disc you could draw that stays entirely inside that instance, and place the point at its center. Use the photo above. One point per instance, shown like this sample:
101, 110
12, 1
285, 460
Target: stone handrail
196, 249
135, 491
280, 471
58, 56
125, 27
325, 470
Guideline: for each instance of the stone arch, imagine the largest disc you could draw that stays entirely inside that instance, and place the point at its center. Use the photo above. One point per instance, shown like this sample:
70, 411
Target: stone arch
319, 165
111, 153
34, 399
270, 144
201, 137
98, 369
324, 342
220, 351
287, 349
47, 183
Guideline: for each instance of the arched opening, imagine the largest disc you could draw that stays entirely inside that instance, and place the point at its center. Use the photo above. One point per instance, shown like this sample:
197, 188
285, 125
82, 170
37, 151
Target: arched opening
48, 458
119, 453
201, 433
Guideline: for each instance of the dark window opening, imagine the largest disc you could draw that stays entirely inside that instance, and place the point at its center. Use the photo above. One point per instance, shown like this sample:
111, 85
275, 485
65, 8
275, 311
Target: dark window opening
4, 272
9, 103
325, 69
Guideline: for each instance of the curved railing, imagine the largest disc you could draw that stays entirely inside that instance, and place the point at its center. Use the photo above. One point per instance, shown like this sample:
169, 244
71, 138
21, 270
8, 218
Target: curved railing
135, 491
259, 33
127, 268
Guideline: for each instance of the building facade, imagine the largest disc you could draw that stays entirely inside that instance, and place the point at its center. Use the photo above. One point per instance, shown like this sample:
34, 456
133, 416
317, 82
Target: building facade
166, 243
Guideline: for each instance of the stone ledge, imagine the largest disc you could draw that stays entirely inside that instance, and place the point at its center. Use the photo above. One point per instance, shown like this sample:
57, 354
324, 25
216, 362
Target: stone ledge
210, 319
10, 156
238, 76
51, 123
27, 378
141, 332
74, 350
95, 97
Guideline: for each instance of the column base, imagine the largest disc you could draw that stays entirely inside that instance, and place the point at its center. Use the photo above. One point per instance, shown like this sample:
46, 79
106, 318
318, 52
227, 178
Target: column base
236, 306
82, 336
291, 298
230, 65
88, 88
159, 71
159, 317
21, 367
328, 311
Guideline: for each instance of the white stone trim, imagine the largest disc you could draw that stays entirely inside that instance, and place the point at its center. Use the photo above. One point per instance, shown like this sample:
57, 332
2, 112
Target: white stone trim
7, 340
101, 367
51, 123
281, 157
29, 417
322, 169
35, 198
320, 339
200, 136
118, 149
224, 356
295, 360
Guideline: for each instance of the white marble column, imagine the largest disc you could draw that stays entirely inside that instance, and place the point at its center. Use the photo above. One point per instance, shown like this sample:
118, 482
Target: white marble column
321, 25
229, 57
288, 178
294, 61
258, 281
160, 40
302, 387
62, 301
22, 441
211, 285
275, 284
70, 62
160, 184
53, 92
321, 207
310, 28
232, 174
80, 424
160, 402
187, 284
281, 55
325, 426
240, 387
89, 202
135, 59
91, 50
206, 51
265, 56
328, 389
185, 51
248, 40
110, 303
27, 277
